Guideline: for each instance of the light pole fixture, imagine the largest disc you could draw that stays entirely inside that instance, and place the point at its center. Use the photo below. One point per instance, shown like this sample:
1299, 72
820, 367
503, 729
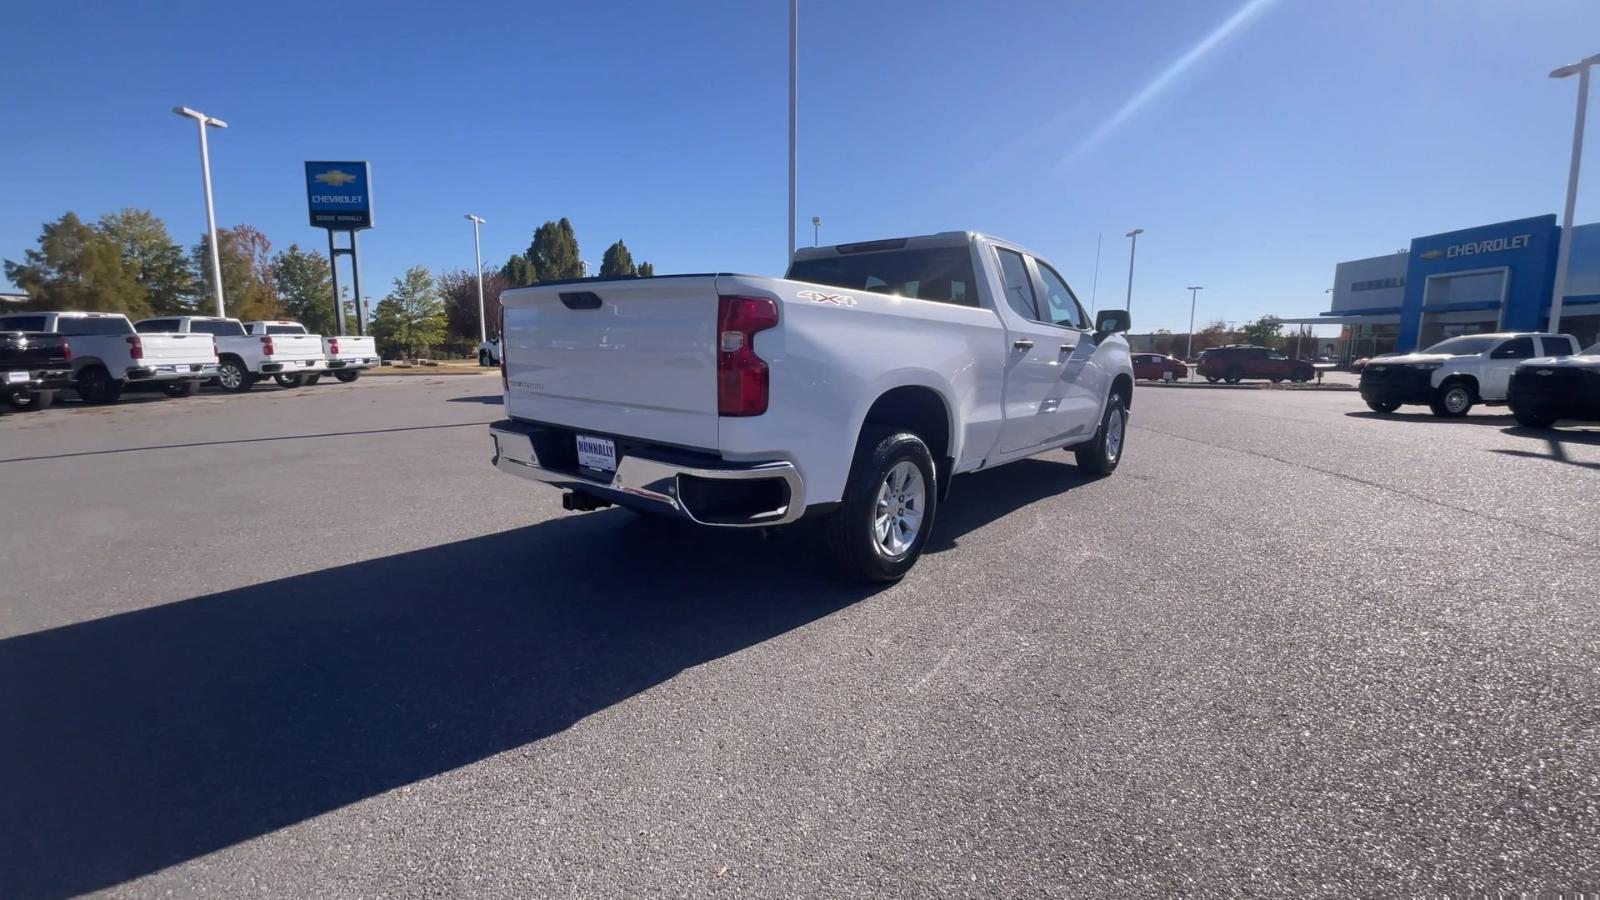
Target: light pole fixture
816, 229
1133, 248
477, 254
1189, 353
1564, 255
794, 51
203, 121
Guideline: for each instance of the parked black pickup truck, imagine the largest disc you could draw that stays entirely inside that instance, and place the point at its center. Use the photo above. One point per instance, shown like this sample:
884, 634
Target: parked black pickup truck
33, 366
1546, 390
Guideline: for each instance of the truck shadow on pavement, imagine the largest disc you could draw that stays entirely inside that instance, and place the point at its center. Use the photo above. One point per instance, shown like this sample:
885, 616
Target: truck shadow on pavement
142, 740
979, 498
1556, 445
1423, 417
485, 399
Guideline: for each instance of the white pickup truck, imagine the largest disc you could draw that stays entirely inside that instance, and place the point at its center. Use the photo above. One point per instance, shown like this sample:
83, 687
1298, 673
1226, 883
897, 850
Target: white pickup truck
852, 389
1453, 375
244, 358
297, 355
344, 356
108, 354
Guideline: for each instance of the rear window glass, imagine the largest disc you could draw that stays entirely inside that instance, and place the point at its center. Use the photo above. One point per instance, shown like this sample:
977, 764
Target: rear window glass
219, 329
82, 325
22, 323
285, 329
940, 274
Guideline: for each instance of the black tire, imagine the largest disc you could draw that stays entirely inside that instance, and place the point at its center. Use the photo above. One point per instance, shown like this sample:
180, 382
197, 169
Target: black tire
33, 400
1452, 400
313, 379
181, 388
1100, 456
1233, 375
233, 377
1302, 376
1382, 406
1213, 379
483, 359
851, 529
95, 385
289, 381
347, 375
1276, 379
1527, 418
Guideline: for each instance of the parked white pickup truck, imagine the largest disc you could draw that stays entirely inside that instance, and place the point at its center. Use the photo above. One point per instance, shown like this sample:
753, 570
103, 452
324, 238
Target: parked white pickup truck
108, 354
243, 358
1455, 374
297, 353
344, 356
853, 389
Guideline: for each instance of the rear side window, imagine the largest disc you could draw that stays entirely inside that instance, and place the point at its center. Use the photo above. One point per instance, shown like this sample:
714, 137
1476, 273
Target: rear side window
1557, 346
940, 274
1516, 348
217, 329
1019, 288
87, 325
286, 329
22, 323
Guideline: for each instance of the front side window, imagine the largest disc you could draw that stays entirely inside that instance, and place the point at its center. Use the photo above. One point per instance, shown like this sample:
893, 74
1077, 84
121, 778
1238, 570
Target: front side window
1019, 288
1556, 346
1516, 348
1061, 305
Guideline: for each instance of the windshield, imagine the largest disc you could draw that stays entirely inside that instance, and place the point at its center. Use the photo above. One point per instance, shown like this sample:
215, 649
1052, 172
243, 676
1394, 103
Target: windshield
217, 328
941, 274
1464, 346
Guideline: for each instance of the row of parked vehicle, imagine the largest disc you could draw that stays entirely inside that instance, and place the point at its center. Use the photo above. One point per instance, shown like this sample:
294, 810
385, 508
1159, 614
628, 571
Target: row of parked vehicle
1231, 363
99, 355
1543, 377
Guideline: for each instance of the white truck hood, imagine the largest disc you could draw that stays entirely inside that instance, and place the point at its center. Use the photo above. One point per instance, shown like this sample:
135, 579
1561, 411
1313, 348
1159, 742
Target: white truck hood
1591, 361
1411, 359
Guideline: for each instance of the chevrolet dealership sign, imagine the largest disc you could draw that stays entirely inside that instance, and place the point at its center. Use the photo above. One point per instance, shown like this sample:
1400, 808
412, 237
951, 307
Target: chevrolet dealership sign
1473, 248
339, 195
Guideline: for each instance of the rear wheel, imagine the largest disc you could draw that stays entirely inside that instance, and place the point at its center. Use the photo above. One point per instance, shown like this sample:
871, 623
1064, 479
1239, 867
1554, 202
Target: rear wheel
1213, 379
1530, 419
1382, 406
181, 388
483, 359
233, 377
1276, 379
1101, 455
1169, 376
1452, 400
1301, 376
95, 385
313, 379
33, 400
289, 381
347, 375
889, 503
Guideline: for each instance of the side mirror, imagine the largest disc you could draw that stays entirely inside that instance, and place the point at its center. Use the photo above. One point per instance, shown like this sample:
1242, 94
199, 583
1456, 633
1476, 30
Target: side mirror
1111, 321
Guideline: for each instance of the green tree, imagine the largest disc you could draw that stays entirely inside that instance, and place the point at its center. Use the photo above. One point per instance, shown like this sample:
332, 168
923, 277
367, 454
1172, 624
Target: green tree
303, 280
248, 292
554, 251
646, 270
460, 292
617, 262
1263, 331
519, 271
76, 267
154, 258
411, 319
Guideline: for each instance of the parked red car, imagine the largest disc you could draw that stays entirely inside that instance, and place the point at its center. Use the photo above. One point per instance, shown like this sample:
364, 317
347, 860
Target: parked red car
1237, 361
1155, 367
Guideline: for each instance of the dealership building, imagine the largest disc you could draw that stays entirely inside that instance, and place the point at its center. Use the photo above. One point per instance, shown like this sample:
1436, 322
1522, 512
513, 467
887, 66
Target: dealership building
1496, 277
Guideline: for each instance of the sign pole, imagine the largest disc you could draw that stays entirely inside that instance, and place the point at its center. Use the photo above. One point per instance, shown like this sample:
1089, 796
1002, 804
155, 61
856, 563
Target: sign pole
355, 279
333, 267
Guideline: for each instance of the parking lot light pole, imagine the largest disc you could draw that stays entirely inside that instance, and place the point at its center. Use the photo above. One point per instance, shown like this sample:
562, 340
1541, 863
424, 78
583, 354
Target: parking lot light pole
1133, 249
477, 253
816, 229
794, 51
203, 121
1564, 255
1189, 353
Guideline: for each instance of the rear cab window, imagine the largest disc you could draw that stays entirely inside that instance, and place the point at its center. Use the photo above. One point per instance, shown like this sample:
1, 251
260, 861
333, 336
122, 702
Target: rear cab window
939, 274
156, 326
91, 325
286, 329
22, 323
216, 329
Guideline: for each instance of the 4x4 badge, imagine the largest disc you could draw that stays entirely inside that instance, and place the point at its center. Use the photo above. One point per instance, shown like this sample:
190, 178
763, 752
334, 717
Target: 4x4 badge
819, 297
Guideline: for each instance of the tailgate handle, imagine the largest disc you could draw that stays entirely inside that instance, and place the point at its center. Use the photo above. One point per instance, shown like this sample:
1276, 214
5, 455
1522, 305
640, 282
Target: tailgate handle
580, 299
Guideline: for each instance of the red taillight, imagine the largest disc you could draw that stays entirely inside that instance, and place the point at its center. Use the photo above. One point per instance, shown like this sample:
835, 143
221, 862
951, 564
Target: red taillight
66, 352
741, 374
505, 377
333, 346
266, 346
214, 351
135, 348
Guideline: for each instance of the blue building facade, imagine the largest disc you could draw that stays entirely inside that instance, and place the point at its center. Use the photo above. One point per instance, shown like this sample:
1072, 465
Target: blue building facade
1497, 277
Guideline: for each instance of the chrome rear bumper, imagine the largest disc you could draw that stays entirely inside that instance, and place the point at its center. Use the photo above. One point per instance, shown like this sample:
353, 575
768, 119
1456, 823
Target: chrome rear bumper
650, 479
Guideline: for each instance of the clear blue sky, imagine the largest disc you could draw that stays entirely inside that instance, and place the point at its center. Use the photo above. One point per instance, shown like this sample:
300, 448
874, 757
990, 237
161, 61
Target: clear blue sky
1254, 157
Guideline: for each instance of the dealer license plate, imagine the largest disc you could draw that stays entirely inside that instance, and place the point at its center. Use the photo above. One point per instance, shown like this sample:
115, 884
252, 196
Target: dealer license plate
16, 376
597, 453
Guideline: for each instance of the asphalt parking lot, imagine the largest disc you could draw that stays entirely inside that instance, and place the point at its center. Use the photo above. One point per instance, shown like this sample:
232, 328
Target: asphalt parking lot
307, 642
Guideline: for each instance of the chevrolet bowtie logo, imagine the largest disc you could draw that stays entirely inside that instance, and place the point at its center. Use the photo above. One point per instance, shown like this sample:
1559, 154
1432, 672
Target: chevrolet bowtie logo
335, 178
1430, 254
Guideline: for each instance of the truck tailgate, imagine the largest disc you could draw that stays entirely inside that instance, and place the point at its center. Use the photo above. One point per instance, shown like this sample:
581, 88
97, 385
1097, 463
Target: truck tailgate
351, 347
630, 357
176, 349
296, 347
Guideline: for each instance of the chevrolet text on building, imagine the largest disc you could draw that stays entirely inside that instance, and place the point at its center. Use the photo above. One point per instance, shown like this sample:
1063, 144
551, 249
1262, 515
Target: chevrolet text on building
1471, 248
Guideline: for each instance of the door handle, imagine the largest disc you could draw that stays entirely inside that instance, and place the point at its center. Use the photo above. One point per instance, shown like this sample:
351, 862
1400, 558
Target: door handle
1068, 348
1022, 344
